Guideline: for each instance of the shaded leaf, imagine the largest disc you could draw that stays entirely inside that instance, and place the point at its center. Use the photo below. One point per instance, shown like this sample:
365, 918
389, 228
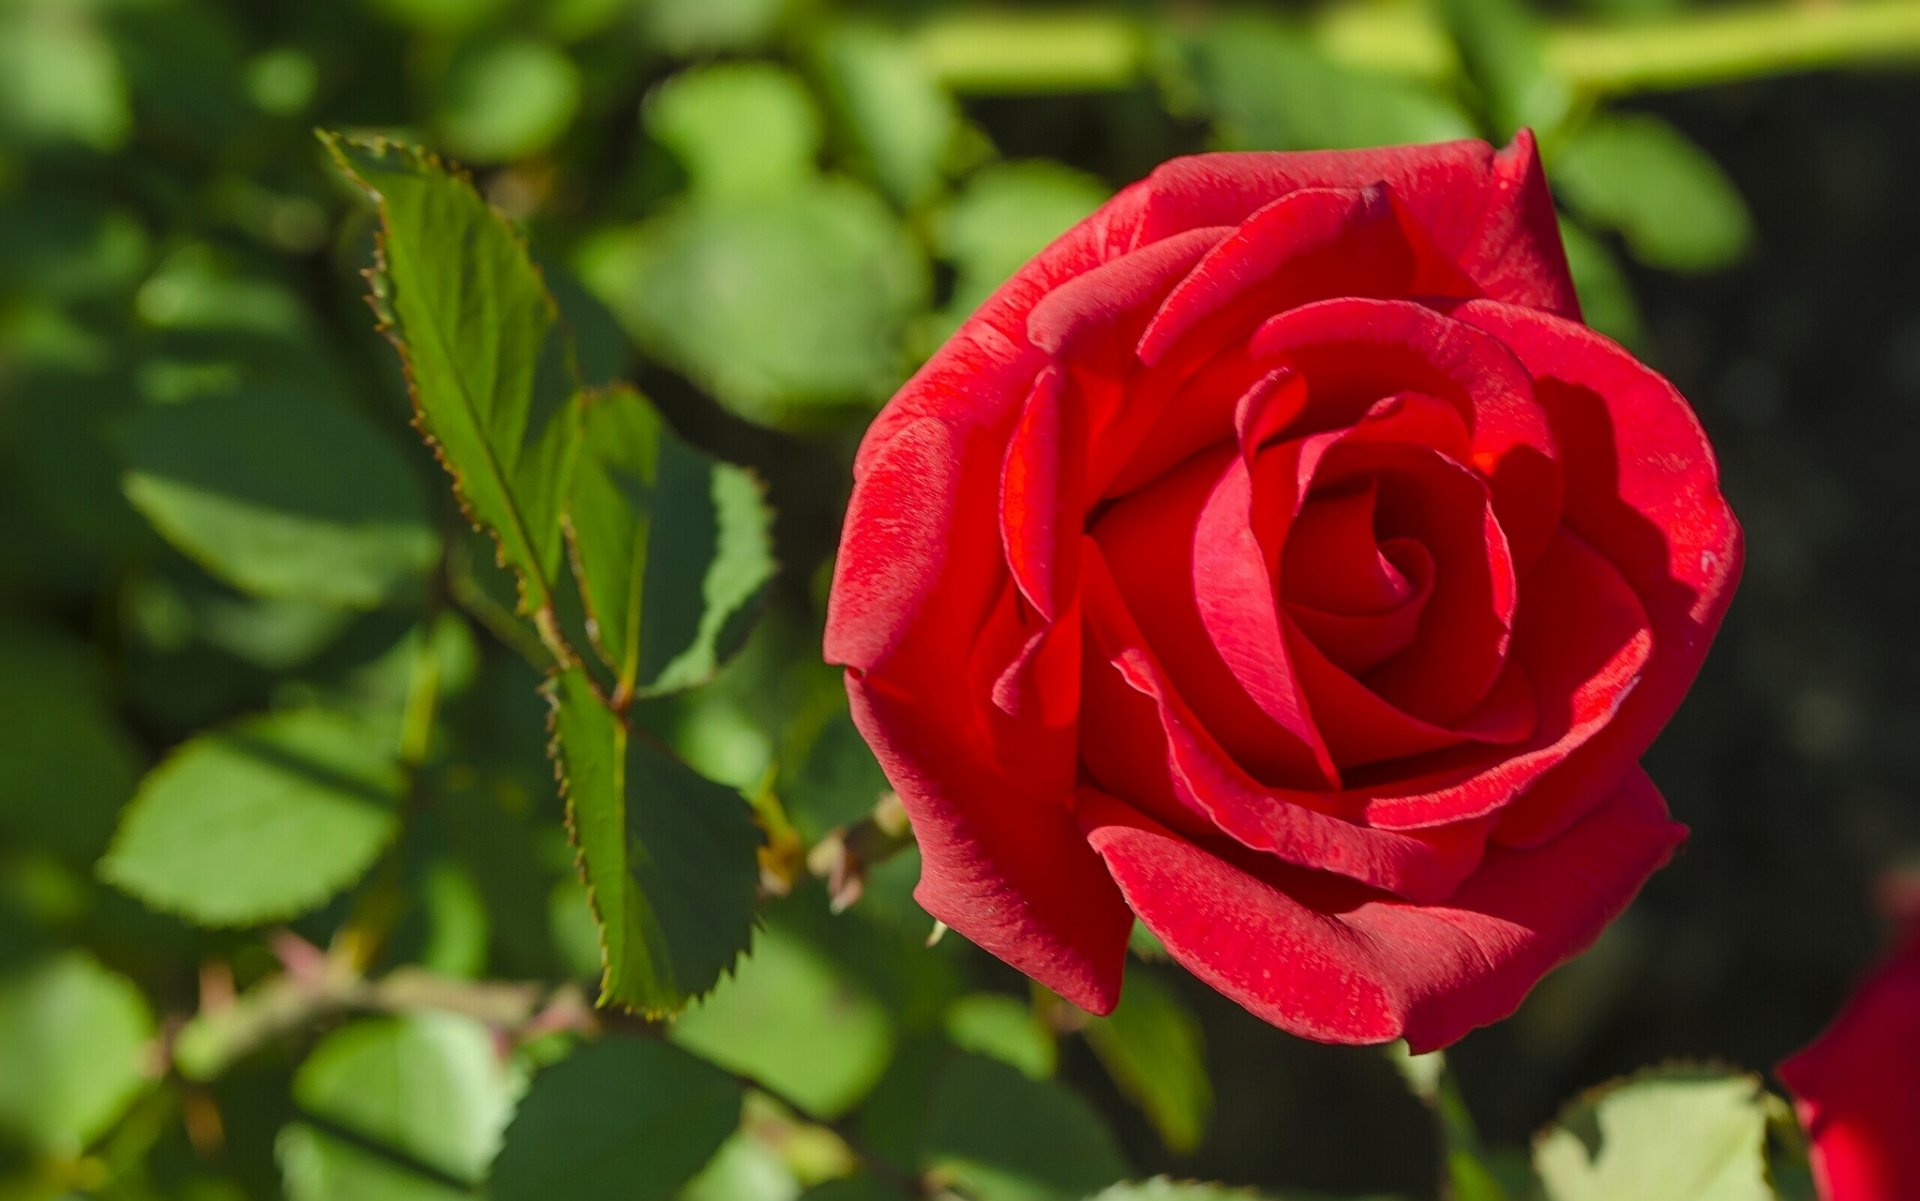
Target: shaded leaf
1151, 1046
263, 819
900, 118
1676, 1133
1606, 296
491, 371
1504, 50
672, 549
283, 495
1007, 1138
1665, 195
1266, 88
668, 855
73, 1037
625, 1119
69, 766
790, 1019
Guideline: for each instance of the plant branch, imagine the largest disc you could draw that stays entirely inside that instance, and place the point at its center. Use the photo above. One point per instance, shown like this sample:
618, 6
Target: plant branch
1011, 51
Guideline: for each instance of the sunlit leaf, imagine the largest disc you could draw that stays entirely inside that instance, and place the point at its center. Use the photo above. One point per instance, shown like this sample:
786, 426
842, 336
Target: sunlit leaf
431, 1086
1152, 1048
505, 98
491, 371
1671, 202
257, 489
73, 1037
624, 1119
1006, 214
790, 1018
739, 128
1676, 1133
262, 819
781, 306
1003, 1028
671, 548
668, 855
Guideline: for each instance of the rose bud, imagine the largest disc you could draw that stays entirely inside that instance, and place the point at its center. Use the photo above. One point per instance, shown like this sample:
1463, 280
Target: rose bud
1277, 559
1857, 1088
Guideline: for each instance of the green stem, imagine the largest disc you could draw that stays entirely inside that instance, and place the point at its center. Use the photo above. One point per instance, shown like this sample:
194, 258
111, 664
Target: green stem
1011, 51
1737, 43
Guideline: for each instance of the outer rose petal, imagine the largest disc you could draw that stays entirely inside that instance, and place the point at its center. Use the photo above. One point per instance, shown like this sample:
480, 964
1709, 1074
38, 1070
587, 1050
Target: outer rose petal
1003, 866
1641, 487
1490, 211
1336, 963
1857, 1088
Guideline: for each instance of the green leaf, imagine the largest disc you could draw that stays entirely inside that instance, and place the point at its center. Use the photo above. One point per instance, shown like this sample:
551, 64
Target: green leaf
900, 118
74, 1038
317, 1166
261, 820
1007, 1138
1152, 1048
1665, 195
431, 1086
625, 1119
651, 518
745, 1169
253, 487
492, 374
1162, 1189
668, 856
1006, 214
689, 27
69, 766
1606, 296
59, 77
857, 1188
1676, 1133
778, 305
740, 129
1003, 1028
506, 98
792, 1020
1504, 50
1266, 88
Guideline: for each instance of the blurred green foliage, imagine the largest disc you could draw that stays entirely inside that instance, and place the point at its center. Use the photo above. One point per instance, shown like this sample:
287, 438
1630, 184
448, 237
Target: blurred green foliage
288, 905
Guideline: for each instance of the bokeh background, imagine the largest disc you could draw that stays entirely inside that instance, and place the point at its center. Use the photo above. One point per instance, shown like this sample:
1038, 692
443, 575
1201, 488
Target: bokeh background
766, 212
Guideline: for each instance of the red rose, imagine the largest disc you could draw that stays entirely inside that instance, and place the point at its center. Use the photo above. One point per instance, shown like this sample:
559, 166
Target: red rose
1276, 558
1857, 1088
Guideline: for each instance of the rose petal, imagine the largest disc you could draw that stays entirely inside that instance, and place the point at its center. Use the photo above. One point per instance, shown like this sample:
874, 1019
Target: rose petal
1006, 868
1353, 351
1330, 961
1195, 579
1142, 741
1641, 487
1490, 212
1041, 500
